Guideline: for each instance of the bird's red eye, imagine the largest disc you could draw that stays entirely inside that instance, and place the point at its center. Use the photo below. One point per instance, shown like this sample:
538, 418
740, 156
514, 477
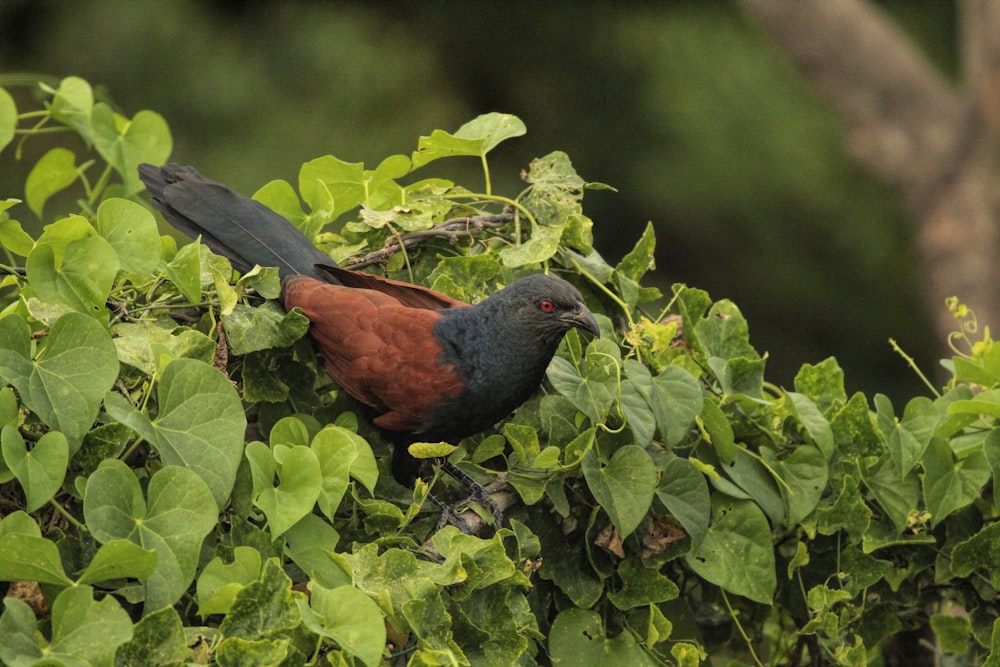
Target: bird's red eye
546, 306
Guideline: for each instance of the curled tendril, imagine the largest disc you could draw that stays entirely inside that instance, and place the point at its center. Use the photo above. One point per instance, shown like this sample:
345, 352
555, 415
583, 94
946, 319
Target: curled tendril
968, 326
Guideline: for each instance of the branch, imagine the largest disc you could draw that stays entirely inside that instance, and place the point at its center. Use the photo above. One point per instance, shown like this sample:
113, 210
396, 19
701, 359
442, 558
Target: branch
981, 59
453, 230
902, 119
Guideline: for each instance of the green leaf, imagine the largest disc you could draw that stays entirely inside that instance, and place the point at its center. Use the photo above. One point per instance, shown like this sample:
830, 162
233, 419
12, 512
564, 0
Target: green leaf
40, 471
718, 429
342, 454
897, 497
73, 368
311, 544
8, 118
238, 652
912, 434
119, 559
29, 557
469, 272
673, 397
84, 632
952, 632
349, 617
125, 143
140, 344
641, 586
72, 103
492, 128
724, 332
853, 429
815, 423
264, 327
264, 607
737, 554
803, 475
849, 512
219, 582
299, 487
131, 230
993, 659
476, 562
979, 552
985, 403
54, 172
158, 639
199, 425
594, 394
476, 138
578, 637
280, 197
20, 644
332, 187
951, 485
80, 276
640, 260
578, 233
294, 430
179, 514
542, 245
635, 404
184, 271
677, 401
684, 491
12, 235
823, 383
624, 487
991, 449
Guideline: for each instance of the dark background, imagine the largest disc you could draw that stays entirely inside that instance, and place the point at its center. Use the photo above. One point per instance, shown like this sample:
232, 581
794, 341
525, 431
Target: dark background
699, 122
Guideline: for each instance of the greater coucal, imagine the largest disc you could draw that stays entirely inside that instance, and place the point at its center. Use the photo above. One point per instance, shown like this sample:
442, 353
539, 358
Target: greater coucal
430, 367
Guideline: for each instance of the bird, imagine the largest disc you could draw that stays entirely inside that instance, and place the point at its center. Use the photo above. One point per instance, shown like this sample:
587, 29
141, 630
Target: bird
428, 368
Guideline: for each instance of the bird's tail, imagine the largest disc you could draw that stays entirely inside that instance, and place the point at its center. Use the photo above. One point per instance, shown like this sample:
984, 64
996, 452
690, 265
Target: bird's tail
232, 225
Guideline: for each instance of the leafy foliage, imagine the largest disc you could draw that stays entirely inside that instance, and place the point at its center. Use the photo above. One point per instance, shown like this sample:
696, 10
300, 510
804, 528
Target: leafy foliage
181, 480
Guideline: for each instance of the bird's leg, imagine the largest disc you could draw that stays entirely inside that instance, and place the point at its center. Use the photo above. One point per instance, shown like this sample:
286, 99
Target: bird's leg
477, 491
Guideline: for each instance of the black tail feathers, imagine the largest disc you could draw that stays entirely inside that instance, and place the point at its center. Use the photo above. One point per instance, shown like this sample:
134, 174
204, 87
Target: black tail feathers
232, 225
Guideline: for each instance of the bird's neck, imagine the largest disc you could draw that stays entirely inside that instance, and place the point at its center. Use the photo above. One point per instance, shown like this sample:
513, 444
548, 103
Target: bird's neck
488, 342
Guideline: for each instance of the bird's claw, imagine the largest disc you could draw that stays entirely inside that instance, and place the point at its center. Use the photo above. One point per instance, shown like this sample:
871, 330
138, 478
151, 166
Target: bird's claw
449, 517
477, 491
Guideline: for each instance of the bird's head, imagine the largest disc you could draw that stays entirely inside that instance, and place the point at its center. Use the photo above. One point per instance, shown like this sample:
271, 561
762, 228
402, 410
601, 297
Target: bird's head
546, 306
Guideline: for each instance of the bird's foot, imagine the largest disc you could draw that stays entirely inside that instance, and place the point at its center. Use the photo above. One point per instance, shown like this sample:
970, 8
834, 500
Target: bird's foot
477, 492
449, 517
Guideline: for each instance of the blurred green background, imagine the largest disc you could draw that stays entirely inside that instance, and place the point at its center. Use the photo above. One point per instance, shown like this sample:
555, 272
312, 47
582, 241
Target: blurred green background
699, 122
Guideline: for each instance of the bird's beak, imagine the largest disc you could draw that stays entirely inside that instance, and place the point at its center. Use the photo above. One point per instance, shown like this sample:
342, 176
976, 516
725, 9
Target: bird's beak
581, 318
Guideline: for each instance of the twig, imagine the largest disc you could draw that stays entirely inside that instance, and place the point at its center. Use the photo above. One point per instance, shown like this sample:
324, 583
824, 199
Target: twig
453, 230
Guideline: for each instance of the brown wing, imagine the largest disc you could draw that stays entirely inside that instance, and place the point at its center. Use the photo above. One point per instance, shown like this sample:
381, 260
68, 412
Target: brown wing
381, 352
406, 294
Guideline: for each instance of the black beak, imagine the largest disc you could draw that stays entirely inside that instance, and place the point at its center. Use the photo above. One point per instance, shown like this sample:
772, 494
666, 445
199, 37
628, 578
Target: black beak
582, 318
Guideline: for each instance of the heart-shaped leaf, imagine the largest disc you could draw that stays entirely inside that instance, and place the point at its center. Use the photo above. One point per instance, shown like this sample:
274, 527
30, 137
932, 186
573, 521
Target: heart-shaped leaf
737, 554
300, 483
349, 617
578, 637
40, 471
84, 632
199, 425
624, 487
74, 367
125, 143
25, 555
131, 230
179, 513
